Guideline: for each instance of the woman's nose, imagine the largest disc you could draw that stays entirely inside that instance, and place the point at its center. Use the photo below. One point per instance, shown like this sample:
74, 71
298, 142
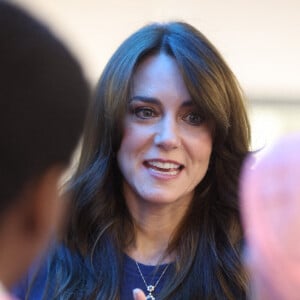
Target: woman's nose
167, 135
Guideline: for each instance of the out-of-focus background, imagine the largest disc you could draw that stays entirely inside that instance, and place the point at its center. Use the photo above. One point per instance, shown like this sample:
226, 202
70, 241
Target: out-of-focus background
260, 40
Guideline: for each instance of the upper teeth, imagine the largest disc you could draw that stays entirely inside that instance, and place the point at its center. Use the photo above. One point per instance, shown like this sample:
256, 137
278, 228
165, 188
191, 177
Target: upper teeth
164, 165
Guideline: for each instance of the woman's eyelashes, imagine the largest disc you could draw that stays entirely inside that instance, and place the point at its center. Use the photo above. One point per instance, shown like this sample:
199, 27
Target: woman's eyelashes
194, 118
143, 112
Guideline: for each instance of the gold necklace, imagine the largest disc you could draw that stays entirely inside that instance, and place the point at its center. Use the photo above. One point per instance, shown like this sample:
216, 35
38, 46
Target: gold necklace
151, 288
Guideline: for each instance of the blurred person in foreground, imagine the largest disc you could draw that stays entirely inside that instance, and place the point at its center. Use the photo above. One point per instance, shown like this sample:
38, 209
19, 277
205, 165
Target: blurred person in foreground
270, 206
43, 99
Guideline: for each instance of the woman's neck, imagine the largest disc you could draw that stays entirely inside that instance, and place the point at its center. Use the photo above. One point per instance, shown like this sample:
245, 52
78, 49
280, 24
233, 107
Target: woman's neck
154, 227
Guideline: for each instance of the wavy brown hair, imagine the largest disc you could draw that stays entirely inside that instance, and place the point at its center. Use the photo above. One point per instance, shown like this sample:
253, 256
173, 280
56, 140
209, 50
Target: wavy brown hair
208, 240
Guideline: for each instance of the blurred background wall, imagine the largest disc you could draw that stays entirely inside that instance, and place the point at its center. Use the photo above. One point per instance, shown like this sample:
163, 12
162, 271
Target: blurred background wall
260, 40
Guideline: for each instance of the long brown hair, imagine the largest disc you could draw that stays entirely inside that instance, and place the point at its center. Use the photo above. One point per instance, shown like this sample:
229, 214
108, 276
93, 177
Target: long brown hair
209, 239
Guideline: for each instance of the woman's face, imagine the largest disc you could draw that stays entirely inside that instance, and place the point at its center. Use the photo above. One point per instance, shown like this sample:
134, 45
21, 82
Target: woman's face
167, 142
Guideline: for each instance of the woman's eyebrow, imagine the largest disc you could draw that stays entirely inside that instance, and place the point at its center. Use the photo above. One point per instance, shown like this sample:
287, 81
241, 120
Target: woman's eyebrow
188, 103
151, 100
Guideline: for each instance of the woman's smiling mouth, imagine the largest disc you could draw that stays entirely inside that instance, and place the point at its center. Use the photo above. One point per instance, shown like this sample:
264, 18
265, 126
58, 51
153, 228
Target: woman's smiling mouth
164, 167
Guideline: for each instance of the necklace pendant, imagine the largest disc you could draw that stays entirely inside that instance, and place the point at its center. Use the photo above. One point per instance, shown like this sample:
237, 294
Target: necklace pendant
150, 288
150, 297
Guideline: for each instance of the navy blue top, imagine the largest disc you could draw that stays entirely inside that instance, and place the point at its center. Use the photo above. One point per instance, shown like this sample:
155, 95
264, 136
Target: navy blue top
131, 280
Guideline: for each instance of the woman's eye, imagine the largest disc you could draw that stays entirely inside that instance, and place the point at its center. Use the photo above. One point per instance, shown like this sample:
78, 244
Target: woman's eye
194, 118
144, 112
